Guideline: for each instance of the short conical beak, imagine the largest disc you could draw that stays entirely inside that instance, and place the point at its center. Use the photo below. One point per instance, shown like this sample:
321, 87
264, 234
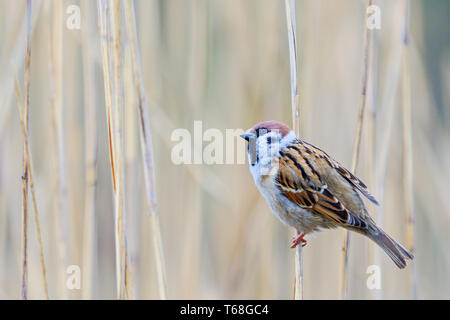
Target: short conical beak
248, 135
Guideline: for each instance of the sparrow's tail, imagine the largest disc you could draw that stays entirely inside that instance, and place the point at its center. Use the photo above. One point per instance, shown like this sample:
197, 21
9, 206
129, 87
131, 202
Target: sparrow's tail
394, 250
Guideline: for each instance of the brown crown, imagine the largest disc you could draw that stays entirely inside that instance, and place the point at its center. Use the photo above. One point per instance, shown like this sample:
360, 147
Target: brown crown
273, 125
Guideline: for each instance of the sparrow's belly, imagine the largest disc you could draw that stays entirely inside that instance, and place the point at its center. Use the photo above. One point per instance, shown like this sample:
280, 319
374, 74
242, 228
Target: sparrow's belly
288, 212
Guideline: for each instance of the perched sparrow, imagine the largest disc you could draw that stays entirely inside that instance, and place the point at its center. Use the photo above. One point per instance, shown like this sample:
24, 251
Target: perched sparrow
308, 190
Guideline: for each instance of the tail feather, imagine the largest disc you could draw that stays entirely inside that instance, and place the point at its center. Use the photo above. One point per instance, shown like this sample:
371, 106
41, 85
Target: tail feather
394, 250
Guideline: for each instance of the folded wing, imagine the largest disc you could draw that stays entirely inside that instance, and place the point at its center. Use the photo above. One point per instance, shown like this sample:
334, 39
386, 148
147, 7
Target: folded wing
300, 182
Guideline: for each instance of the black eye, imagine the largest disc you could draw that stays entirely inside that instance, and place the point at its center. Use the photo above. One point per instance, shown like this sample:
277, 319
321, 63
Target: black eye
261, 132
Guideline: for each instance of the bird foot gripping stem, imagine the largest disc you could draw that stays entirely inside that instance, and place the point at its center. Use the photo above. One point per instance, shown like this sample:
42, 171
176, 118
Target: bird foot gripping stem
296, 240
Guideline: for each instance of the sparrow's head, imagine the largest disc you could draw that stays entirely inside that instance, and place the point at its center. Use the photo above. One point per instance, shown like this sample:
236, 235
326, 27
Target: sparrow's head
266, 139
272, 128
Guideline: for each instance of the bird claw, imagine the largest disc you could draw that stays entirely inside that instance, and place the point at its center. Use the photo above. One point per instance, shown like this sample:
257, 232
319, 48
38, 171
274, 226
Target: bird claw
296, 240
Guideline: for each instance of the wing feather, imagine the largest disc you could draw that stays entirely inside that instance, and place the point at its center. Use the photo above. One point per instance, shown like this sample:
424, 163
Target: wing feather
301, 184
354, 181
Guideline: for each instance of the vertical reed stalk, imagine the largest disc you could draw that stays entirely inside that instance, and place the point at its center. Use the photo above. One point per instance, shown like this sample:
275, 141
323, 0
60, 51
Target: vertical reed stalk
24, 286
112, 55
29, 165
56, 104
364, 80
291, 27
408, 177
146, 149
132, 172
89, 238
115, 15
102, 7
371, 139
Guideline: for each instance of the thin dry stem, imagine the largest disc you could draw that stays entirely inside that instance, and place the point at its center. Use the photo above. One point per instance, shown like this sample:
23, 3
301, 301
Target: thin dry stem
15, 60
89, 239
290, 19
115, 15
146, 149
56, 106
24, 286
33, 194
132, 186
364, 80
374, 255
102, 18
408, 177
113, 81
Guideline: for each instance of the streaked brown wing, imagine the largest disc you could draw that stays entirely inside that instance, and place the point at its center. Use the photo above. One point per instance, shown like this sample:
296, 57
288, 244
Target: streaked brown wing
301, 183
354, 181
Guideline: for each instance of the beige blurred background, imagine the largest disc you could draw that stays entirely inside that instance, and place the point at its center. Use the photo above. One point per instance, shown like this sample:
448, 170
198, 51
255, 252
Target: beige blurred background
226, 63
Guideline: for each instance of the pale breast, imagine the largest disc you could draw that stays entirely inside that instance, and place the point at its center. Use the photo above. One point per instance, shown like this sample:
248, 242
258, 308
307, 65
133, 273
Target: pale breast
286, 211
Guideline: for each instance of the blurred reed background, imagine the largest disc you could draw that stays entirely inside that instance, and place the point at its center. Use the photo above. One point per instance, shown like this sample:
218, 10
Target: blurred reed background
225, 63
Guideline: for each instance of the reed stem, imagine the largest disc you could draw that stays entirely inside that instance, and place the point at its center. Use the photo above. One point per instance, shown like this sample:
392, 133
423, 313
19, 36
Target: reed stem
89, 238
355, 158
291, 27
24, 286
33, 193
146, 149
408, 173
58, 130
111, 45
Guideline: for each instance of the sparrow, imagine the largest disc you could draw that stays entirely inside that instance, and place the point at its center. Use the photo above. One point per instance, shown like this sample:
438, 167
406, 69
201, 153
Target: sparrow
309, 190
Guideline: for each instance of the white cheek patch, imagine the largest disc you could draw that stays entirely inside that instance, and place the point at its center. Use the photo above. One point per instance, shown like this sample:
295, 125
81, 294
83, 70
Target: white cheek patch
268, 151
269, 145
263, 152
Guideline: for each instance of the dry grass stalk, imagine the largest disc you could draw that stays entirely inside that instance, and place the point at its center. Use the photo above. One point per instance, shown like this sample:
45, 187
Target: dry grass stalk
14, 54
56, 105
290, 19
29, 165
387, 116
195, 54
133, 176
113, 81
102, 21
146, 148
408, 178
26, 117
371, 139
89, 238
364, 80
115, 15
